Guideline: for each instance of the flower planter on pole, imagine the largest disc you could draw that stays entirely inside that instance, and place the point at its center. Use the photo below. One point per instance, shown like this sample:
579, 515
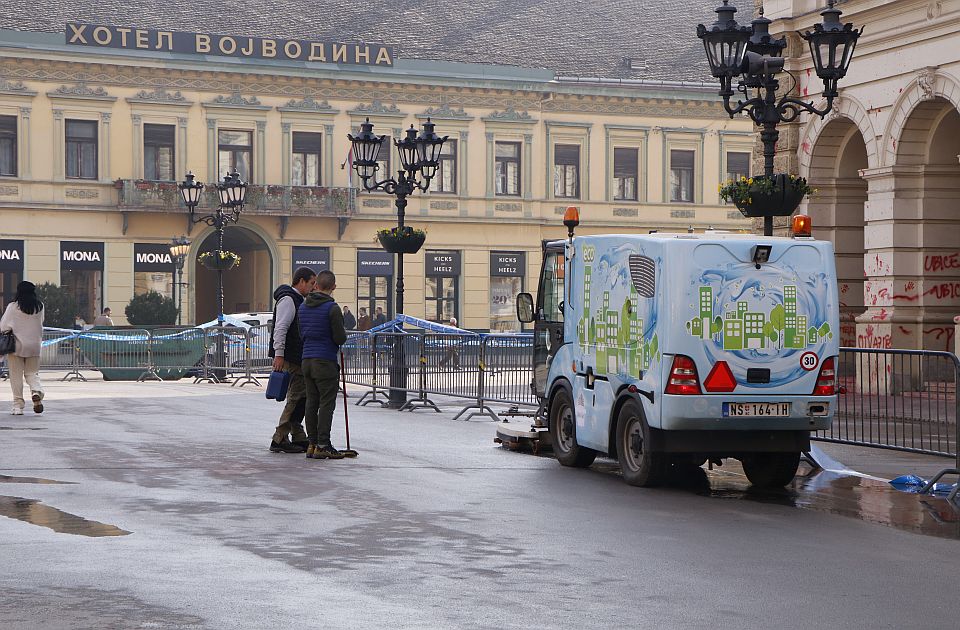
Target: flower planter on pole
401, 241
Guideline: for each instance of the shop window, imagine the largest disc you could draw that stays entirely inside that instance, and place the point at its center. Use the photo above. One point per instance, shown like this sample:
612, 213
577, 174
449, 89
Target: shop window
566, 171
373, 292
681, 176
503, 295
738, 165
507, 168
86, 286
442, 298
306, 158
445, 180
81, 149
158, 150
236, 152
146, 281
8, 146
625, 174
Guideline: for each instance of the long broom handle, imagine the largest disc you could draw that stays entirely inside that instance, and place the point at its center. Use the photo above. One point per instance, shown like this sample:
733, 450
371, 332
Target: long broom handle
343, 379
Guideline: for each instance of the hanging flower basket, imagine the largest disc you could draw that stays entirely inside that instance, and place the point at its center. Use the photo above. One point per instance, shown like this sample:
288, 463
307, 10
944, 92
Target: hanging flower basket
761, 196
217, 260
405, 241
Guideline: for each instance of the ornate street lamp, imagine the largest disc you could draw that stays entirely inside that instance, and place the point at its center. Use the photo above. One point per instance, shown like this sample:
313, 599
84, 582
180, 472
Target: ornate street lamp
751, 53
231, 194
419, 159
179, 248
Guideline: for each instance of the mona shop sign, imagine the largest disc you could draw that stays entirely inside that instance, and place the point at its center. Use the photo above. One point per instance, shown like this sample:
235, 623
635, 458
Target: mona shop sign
81, 255
11, 255
152, 257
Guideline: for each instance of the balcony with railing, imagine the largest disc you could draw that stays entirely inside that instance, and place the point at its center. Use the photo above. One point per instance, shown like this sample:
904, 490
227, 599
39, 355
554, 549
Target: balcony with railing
275, 200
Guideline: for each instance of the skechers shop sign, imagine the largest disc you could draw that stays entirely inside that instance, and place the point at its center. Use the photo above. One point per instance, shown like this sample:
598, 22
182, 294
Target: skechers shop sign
149, 40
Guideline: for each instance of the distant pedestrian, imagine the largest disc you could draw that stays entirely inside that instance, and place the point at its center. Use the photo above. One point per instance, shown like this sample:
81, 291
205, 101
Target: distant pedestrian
321, 326
104, 319
79, 323
380, 319
24, 317
364, 323
349, 321
451, 355
286, 349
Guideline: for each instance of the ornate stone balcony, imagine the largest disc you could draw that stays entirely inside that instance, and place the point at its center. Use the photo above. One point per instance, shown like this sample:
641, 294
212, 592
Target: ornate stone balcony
141, 195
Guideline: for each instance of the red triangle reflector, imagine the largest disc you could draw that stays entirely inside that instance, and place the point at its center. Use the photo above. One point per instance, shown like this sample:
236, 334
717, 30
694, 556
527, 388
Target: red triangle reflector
720, 378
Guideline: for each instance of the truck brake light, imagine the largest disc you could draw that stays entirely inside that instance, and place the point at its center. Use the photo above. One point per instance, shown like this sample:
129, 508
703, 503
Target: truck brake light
827, 380
683, 377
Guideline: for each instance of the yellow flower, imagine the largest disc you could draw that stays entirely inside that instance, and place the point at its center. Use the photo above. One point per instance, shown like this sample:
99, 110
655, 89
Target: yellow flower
749, 199
750, 181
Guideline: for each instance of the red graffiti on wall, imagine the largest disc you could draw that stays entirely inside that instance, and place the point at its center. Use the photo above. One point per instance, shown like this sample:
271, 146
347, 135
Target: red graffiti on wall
945, 333
941, 262
942, 291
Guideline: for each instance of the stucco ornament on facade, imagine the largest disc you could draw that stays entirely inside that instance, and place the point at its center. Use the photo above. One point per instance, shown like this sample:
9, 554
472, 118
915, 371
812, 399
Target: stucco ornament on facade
511, 114
307, 104
444, 111
79, 90
926, 81
159, 95
377, 107
236, 100
13, 87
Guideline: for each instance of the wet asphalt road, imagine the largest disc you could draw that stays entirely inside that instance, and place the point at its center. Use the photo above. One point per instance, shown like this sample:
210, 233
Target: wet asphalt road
177, 516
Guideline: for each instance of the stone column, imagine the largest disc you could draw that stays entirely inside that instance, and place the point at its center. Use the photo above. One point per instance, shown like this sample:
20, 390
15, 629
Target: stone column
58, 144
490, 165
213, 151
138, 170
183, 157
105, 147
261, 152
286, 148
328, 156
25, 170
462, 156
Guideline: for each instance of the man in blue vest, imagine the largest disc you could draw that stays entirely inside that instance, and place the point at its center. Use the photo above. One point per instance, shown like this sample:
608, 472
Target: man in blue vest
286, 348
321, 327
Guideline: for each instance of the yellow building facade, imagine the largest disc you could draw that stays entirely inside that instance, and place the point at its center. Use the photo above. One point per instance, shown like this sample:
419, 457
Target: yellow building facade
94, 137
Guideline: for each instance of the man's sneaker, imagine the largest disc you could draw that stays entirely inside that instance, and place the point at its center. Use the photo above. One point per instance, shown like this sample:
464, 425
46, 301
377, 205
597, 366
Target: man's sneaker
310, 450
327, 452
283, 447
37, 402
302, 444
16, 411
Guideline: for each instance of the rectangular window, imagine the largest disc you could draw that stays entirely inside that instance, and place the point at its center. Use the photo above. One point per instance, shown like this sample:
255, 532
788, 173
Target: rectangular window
383, 160
441, 298
503, 297
566, 170
551, 287
86, 287
373, 299
681, 176
81, 149
236, 152
306, 158
8, 146
507, 168
738, 165
625, 174
158, 147
445, 180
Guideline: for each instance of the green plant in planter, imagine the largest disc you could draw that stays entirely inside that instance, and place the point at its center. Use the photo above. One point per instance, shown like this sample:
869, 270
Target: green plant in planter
406, 240
59, 305
219, 260
151, 309
778, 195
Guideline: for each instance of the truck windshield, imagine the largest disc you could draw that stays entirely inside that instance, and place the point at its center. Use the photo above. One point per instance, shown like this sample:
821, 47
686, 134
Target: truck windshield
551, 287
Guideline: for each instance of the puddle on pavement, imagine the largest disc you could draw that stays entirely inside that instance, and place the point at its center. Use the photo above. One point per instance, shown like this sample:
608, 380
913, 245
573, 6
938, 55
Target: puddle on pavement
36, 513
8, 479
23, 428
822, 491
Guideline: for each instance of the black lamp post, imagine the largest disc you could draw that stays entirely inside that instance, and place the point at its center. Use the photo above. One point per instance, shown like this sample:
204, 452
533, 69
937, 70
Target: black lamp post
179, 248
419, 159
734, 50
231, 193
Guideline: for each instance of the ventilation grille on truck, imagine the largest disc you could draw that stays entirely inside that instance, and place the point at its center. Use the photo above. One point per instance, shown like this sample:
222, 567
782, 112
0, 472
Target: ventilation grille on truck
643, 275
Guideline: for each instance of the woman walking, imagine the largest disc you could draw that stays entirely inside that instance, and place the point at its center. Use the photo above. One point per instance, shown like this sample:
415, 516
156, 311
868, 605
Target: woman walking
24, 316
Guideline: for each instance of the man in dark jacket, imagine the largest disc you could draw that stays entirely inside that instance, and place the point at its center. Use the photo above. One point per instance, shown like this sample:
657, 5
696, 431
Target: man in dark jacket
286, 348
321, 327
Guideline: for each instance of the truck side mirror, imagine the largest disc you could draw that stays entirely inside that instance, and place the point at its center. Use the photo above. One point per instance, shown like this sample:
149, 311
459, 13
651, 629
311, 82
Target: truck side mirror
525, 308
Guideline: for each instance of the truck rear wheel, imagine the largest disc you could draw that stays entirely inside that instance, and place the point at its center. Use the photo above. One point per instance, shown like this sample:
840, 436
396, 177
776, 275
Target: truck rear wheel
771, 470
640, 466
563, 433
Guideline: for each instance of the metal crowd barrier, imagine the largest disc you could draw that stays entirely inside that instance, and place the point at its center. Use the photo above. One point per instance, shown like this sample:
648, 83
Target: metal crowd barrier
904, 400
360, 366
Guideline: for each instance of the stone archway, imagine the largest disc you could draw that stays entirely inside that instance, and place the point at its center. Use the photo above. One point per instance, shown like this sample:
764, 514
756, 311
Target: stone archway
248, 287
837, 210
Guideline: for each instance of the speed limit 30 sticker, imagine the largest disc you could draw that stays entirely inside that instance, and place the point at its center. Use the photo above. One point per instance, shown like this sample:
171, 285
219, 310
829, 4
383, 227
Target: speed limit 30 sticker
809, 361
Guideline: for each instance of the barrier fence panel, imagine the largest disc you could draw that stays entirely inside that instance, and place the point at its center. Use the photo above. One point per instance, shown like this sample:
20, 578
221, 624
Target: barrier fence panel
898, 399
59, 350
120, 355
451, 365
175, 351
398, 361
508, 361
225, 354
256, 359
361, 368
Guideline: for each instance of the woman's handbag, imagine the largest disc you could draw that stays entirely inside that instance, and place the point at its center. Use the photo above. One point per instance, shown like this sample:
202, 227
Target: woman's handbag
8, 343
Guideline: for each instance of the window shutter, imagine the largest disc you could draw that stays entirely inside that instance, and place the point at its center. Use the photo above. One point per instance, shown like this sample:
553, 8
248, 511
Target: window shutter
625, 162
304, 142
566, 154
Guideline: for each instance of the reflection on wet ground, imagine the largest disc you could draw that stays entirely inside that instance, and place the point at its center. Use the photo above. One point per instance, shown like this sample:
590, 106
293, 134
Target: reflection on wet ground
23, 428
846, 495
8, 479
36, 513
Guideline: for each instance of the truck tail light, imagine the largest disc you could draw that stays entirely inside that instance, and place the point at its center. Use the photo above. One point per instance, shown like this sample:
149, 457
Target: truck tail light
827, 380
683, 377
